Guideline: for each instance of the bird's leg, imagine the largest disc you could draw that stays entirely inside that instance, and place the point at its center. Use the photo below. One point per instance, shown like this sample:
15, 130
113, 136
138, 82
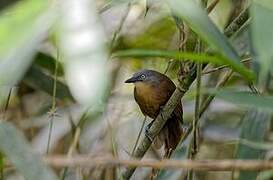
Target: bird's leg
147, 132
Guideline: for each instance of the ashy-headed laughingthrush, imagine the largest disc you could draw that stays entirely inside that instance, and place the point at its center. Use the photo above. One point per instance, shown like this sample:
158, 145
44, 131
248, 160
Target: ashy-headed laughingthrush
152, 91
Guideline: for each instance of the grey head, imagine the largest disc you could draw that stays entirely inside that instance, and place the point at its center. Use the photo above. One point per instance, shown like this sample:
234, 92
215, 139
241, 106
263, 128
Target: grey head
146, 75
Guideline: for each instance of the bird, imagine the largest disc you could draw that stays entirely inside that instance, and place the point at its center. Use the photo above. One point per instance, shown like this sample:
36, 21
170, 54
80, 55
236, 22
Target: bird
151, 92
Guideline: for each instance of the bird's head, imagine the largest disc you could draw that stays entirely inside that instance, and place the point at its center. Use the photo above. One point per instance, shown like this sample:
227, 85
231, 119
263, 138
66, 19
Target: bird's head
145, 76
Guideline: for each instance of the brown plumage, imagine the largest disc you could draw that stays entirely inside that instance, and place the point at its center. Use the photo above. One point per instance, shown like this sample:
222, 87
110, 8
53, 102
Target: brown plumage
152, 91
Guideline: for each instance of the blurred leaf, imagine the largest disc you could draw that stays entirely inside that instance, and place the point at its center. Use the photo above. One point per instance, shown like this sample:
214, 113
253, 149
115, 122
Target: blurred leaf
36, 79
159, 35
215, 59
197, 18
82, 44
15, 147
48, 63
22, 28
265, 175
16, 23
262, 34
254, 128
247, 99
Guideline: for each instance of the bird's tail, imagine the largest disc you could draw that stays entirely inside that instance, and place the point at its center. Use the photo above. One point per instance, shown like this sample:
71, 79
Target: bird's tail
170, 135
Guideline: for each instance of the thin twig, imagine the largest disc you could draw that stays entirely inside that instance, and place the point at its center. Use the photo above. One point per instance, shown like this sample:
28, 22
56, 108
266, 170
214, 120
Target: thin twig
168, 66
197, 103
72, 148
52, 112
113, 144
192, 148
139, 134
212, 5
222, 67
200, 165
236, 23
221, 83
7, 102
116, 33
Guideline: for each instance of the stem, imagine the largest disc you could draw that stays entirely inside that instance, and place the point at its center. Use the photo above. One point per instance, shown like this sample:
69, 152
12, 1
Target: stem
52, 112
138, 137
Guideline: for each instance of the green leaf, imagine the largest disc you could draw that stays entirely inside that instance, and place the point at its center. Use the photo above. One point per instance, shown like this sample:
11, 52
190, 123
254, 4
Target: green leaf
261, 34
196, 17
215, 59
254, 128
247, 99
36, 79
16, 23
83, 50
48, 62
15, 147
22, 28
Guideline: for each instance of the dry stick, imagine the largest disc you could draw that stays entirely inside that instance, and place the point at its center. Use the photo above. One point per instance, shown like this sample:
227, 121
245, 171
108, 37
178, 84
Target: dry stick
52, 112
212, 6
113, 143
72, 147
197, 103
222, 67
237, 23
221, 83
116, 33
200, 165
139, 134
7, 103
170, 106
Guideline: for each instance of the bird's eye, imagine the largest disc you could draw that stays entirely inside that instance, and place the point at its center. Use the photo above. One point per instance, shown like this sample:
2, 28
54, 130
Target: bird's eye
142, 76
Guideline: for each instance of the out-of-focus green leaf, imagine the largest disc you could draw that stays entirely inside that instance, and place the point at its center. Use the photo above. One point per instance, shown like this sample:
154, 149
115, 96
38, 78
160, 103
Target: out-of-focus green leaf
36, 79
265, 175
15, 147
16, 23
247, 99
48, 63
22, 28
82, 45
215, 59
159, 35
254, 128
197, 18
262, 35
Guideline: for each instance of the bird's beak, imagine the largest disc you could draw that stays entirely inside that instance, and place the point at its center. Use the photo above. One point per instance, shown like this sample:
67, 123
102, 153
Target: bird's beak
131, 80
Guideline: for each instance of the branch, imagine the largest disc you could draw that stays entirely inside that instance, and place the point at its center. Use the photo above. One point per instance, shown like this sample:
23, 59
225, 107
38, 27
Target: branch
157, 126
203, 165
171, 104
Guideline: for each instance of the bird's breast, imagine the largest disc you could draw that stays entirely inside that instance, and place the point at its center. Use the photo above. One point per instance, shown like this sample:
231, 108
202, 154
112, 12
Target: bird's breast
148, 99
